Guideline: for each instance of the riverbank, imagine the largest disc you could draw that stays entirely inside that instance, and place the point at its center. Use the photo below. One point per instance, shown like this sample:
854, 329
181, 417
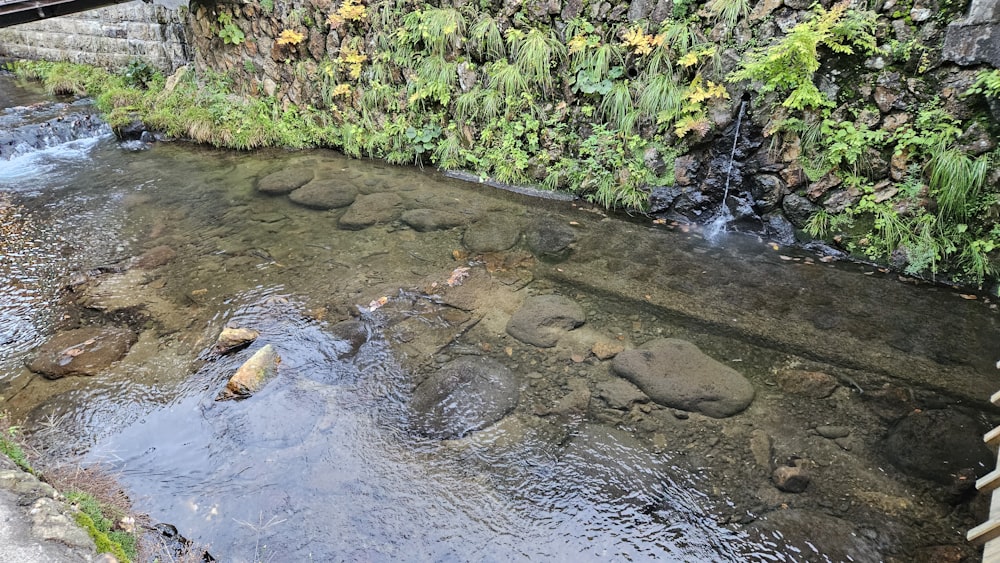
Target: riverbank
38, 527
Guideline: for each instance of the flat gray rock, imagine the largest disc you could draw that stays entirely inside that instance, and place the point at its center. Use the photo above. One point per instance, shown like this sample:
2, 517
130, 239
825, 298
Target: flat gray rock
464, 395
425, 220
543, 319
324, 195
495, 233
550, 240
675, 373
284, 181
368, 210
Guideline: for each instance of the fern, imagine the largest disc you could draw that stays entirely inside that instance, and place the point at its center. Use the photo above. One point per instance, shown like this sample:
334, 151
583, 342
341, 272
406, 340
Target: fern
790, 65
987, 83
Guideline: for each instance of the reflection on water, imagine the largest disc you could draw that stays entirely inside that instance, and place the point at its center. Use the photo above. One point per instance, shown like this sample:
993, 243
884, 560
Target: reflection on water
175, 243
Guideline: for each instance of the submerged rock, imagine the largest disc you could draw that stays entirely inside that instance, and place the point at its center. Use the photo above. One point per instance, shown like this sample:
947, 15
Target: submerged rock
83, 351
324, 195
495, 233
550, 240
463, 396
284, 181
252, 375
937, 445
816, 536
813, 384
610, 465
425, 220
351, 336
543, 319
676, 374
368, 210
232, 339
155, 257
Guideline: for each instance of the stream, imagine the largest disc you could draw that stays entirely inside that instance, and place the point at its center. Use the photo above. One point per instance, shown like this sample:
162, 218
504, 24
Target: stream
872, 385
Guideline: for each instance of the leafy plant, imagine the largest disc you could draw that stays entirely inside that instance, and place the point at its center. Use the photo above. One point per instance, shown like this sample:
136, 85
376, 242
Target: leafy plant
639, 42
138, 74
987, 83
349, 11
423, 139
229, 32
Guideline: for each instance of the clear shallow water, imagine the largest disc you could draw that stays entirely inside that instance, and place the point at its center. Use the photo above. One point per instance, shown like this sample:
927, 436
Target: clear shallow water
322, 465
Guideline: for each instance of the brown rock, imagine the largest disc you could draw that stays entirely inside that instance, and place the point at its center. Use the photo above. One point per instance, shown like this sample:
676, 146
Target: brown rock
823, 185
791, 479
814, 384
606, 350
232, 339
83, 351
155, 257
940, 554
252, 375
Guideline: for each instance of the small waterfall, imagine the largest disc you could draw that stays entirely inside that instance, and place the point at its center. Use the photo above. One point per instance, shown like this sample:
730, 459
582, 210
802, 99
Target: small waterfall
725, 215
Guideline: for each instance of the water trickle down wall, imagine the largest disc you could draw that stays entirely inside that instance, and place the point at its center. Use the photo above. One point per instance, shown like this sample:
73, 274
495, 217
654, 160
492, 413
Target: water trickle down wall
109, 37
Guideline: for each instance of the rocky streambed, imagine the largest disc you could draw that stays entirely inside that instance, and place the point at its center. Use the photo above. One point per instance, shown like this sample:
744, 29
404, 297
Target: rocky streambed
469, 374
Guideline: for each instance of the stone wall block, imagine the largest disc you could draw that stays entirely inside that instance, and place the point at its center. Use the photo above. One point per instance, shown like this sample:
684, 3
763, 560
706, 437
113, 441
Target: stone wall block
109, 36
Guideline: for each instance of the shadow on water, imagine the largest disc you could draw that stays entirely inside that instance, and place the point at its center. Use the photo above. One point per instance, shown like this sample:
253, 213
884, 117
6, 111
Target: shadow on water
324, 463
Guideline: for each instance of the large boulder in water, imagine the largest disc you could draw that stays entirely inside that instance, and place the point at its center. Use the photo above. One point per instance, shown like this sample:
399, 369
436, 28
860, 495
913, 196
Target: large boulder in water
543, 319
426, 220
324, 195
676, 374
495, 233
465, 395
938, 445
284, 181
550, 240
83, 351
368, 210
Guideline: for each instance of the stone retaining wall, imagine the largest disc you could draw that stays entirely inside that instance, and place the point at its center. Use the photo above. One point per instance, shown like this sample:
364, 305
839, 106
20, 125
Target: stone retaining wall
110, 37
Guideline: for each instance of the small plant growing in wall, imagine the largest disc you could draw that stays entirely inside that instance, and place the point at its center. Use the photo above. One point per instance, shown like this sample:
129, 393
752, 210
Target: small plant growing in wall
290, 37
229, 32
349, 11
